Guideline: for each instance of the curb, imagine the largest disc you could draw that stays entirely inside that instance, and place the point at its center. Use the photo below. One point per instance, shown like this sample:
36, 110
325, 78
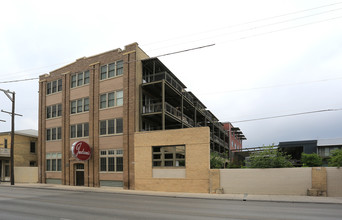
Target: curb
233, 197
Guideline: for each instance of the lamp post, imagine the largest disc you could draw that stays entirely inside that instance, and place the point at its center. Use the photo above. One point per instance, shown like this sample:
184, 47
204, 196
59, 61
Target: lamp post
7, 93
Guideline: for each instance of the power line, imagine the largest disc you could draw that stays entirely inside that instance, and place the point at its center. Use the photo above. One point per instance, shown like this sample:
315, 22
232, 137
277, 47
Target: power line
283, 29
248, 22
162, 55
288, 115
271, 86
19, 80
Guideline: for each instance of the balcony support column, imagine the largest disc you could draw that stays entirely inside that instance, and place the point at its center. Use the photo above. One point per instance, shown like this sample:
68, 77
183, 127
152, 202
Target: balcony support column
182, 108
163, 104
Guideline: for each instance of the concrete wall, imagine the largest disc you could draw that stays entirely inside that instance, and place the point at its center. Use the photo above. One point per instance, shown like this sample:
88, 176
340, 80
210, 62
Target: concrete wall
194, 177
334, 181
26, 174
282, 181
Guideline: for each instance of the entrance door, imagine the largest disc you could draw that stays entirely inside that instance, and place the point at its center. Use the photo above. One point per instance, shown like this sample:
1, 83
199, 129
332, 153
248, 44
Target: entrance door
79, 174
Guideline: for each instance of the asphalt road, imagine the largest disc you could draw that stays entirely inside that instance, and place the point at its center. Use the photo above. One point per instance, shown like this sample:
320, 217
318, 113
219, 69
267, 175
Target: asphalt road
30, 203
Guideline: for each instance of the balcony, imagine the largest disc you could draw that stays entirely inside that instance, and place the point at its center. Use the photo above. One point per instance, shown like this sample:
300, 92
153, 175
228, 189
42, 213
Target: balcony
157, 108
5, 152
162, 76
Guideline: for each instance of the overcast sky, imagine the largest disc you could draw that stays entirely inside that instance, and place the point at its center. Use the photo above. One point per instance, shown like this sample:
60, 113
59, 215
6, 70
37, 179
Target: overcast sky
270, 58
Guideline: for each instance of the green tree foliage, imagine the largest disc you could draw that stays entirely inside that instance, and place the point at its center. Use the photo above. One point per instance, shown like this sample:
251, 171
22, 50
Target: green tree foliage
336, 158
311, 160
216, 161
269, 158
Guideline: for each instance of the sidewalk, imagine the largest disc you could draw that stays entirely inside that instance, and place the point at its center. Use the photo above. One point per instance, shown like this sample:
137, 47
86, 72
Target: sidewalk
236, 197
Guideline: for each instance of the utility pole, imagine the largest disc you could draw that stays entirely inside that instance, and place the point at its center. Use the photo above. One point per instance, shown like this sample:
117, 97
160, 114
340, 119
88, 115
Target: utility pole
7, 93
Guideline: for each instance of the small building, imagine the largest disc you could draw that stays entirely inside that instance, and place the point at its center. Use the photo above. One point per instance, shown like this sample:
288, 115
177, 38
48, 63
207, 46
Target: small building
325, 147
25, 151
296, 148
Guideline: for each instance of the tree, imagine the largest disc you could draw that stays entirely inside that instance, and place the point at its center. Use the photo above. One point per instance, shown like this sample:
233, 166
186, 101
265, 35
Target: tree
269, 158
336, 158
216, 161
311, 160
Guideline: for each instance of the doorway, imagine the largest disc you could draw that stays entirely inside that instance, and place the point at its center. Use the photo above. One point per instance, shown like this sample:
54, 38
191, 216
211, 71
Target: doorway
79, 174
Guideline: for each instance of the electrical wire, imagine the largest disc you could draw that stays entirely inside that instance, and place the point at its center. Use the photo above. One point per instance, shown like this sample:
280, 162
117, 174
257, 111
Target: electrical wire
236, 25
249, 22
288, 115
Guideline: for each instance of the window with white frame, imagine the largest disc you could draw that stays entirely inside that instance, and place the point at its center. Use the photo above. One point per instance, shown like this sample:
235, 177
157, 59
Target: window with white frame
79, 105
80, 79
53, 134
54, 111
111, 70
168, 156
111, 99
79, 130
111, 126
54, 162
111, 160
54, 86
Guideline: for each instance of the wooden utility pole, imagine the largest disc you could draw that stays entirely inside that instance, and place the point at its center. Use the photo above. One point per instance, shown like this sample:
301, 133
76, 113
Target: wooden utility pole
7, 93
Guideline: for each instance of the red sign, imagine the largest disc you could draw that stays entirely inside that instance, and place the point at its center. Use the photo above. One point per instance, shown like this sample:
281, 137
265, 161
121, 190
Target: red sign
81, 150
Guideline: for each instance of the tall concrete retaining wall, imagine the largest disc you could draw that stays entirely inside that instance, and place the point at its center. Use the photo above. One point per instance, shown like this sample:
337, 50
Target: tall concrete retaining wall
334, 181
26, 174
277, 181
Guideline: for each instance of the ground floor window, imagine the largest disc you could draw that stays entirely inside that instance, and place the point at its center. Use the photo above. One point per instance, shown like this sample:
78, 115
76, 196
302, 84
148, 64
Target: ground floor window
54, 162
168, 156
111, 160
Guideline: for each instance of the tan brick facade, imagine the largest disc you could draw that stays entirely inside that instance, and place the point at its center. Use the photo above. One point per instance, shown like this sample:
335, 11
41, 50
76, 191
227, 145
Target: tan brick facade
196, 141
128, 112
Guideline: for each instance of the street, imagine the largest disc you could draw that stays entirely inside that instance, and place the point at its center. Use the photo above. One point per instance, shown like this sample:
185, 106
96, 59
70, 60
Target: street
32, 203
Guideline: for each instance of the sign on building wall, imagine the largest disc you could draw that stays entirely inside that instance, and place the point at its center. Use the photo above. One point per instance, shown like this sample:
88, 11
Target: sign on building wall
81, 150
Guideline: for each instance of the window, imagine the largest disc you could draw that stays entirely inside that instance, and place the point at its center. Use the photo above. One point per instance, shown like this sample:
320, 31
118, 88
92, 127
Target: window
33, 163
54, 111
79, 130
53, 134
54, 86
168, 156
80, 79
53, 162
111, 70
111, 99
33, 147
80, 105
59, 85
111, 160
111, 126
5, 143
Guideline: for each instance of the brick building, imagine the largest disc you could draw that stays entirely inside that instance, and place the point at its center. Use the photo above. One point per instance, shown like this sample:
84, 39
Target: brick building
235, 136
25, 151
110, 101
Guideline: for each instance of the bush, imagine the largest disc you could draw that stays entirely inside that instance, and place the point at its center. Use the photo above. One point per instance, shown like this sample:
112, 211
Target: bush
336, 158
216, 161
311, 160
269, 158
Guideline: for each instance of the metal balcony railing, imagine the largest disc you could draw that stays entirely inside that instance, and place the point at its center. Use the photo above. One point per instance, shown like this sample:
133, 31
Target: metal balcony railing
188, 96
160, 76
157, 107
152, 108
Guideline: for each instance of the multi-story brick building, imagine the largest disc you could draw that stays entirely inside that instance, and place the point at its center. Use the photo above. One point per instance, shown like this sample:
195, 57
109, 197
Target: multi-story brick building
25, 151
235, 136
104, 100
